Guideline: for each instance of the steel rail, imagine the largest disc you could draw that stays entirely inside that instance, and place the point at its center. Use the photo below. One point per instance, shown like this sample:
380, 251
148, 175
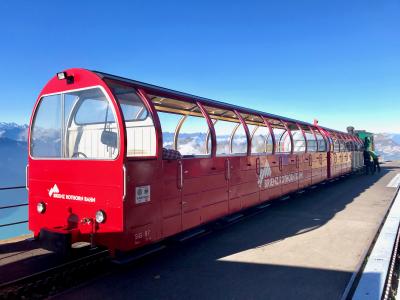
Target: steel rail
12, 206
14, 223
12, 187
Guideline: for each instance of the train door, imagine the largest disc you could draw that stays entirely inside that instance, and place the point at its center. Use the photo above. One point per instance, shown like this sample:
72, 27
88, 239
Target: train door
314, 159
171, 197
306, 164
300, 168
260, 163
291, 176
334, 164
313, 166
204, 183
229, 189
336, 157
344, 154
204, 192
322, 147
330, 167
316, 168
270, 177
287, 159
240, 169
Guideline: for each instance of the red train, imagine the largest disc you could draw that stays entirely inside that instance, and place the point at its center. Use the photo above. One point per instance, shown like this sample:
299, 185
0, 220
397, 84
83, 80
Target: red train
123, 163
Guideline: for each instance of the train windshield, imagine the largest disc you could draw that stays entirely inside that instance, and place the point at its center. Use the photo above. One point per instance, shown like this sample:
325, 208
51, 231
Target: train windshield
75, 125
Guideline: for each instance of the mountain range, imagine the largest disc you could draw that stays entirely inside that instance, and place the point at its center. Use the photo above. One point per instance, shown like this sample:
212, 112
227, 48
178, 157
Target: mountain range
387, 145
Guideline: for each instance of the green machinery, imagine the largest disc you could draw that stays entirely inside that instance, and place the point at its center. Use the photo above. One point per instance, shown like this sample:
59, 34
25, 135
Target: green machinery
367, 138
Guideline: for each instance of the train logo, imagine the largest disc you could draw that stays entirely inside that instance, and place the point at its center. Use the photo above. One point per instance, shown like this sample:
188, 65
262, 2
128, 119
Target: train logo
265, 180
265, 172
54, 190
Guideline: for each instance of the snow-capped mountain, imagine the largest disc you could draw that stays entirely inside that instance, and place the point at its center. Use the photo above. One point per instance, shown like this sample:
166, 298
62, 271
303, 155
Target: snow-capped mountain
13, 153
13, 131
12, 163
388, 145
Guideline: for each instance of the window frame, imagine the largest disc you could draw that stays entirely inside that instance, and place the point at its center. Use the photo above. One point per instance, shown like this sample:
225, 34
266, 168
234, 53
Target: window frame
76, 109
302, 133
62, 93
324, 138
178, 128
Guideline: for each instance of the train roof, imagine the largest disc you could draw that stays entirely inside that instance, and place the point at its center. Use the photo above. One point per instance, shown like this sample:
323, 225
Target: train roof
187, 96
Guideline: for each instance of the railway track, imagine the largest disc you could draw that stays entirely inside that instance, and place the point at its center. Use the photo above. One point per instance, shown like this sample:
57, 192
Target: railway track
56, 279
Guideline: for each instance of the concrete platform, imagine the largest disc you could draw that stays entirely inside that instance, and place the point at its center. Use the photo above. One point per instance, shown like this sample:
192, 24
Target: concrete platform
302, 248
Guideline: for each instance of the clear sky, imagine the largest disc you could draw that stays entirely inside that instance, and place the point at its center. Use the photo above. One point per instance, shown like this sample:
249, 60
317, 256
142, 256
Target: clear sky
337, 61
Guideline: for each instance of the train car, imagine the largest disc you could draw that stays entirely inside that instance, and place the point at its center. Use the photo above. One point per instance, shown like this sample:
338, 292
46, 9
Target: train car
122, 164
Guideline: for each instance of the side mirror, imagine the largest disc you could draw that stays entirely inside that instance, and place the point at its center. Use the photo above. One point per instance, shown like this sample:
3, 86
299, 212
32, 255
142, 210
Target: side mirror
109, 138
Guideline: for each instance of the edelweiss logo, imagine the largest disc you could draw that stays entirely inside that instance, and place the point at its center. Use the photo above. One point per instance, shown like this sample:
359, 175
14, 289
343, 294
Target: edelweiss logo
264, 173
53, 190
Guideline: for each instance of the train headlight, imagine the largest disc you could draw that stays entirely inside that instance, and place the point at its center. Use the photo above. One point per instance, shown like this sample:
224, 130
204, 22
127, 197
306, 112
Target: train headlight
64, 75
100, 216
41, 207
61, 75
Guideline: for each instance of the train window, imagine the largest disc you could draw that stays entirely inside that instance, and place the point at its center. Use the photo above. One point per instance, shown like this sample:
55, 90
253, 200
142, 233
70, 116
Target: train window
331, 144
86, 130
169, 122
261, 141
336, 145
90, 128
311, 141
321, 142
183, 126
223, 132
93, 111
299, 144
192, 137
230, 133
343, 147
46, 128
282, 138
239, 141
350, 146
140, 131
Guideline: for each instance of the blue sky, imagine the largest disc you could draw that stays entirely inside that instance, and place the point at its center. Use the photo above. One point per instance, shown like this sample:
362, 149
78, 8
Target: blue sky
337, 61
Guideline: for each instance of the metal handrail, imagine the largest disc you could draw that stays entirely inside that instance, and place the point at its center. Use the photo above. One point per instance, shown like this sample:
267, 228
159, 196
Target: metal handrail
12, 187
15, 223
13, 206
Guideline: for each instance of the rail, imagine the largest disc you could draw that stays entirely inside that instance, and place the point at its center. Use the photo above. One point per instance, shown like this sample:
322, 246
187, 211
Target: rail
13, 206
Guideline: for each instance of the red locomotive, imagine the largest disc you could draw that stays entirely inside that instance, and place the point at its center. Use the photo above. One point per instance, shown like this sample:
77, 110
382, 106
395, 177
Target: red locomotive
124, 163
